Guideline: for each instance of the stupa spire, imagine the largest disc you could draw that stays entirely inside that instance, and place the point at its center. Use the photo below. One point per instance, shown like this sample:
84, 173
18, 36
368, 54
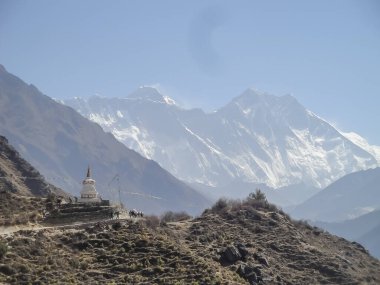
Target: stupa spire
88, 172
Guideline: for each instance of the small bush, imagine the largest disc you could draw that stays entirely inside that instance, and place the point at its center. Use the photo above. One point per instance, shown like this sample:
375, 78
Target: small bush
258, 200
302, 224
3, 249
256, 204
220, 205
151, 221
236, 205
174, 216
258, 195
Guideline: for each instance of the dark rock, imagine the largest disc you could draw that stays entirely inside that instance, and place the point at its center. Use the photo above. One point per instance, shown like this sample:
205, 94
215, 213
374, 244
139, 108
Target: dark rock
272, 223
248, 273
6, 269
117, 226
360, 247
242, 250
231, 254
141, 243
258, 272
82, 245
261, 259
329, 271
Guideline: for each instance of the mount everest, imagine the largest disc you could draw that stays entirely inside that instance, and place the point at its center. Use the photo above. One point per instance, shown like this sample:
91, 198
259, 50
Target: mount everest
257, 138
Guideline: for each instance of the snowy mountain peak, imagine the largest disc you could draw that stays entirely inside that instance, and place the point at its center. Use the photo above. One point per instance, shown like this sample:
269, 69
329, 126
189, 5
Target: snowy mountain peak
267, 108
257, 137
254, 97
148, 93
362, 142
250, 96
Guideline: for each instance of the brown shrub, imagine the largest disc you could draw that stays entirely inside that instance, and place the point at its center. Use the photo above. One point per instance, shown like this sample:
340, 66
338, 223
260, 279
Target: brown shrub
174, 216
151, 221
220, 205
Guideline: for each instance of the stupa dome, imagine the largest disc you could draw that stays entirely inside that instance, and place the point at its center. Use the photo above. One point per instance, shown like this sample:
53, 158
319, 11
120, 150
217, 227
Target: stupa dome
89, 193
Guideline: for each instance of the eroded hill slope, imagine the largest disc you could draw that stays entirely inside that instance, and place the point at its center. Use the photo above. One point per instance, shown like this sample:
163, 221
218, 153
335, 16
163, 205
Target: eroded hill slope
18, 176
233, 243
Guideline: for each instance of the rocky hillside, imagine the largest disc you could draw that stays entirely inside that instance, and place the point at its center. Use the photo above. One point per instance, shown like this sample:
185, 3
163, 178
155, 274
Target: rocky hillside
61, 144
18, 176
232, 243
22, 188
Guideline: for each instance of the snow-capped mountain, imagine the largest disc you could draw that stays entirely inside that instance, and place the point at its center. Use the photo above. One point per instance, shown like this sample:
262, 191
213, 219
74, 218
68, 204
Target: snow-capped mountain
257, 137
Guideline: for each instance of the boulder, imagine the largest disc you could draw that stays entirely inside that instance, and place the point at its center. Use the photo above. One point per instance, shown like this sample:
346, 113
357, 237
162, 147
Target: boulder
248, 273
242, 250
231, 254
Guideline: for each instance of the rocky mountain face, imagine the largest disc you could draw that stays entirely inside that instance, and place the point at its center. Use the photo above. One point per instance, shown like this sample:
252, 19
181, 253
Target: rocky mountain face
351, 196
364, 229
61, 144
18, 176
232, 243
22, 188
257, 138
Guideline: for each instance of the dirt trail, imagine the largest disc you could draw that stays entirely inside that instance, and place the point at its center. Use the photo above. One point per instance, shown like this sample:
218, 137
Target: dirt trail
9, 230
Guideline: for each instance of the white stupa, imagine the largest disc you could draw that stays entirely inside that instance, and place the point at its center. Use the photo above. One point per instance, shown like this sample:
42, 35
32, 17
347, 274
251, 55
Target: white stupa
89, 193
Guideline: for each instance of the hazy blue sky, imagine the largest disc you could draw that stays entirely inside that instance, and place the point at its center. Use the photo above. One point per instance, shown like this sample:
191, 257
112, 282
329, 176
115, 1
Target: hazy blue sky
203, 53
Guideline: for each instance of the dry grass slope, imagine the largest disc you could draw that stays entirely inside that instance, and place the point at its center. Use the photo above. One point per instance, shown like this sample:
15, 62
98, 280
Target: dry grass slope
248, 242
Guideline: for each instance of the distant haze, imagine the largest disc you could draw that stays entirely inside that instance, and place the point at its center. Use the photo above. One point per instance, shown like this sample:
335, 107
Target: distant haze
203, 53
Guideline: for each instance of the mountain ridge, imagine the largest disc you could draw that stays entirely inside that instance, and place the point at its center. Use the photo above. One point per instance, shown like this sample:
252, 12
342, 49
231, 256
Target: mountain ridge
257, 137
349, 197
364, 229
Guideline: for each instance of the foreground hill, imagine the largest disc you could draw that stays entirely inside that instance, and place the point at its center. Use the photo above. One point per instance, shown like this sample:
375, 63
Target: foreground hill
233, 243
61, 143
351, 196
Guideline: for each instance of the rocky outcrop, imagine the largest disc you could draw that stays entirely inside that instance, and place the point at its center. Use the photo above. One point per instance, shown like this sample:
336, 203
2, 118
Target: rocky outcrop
250, 273
230, 255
